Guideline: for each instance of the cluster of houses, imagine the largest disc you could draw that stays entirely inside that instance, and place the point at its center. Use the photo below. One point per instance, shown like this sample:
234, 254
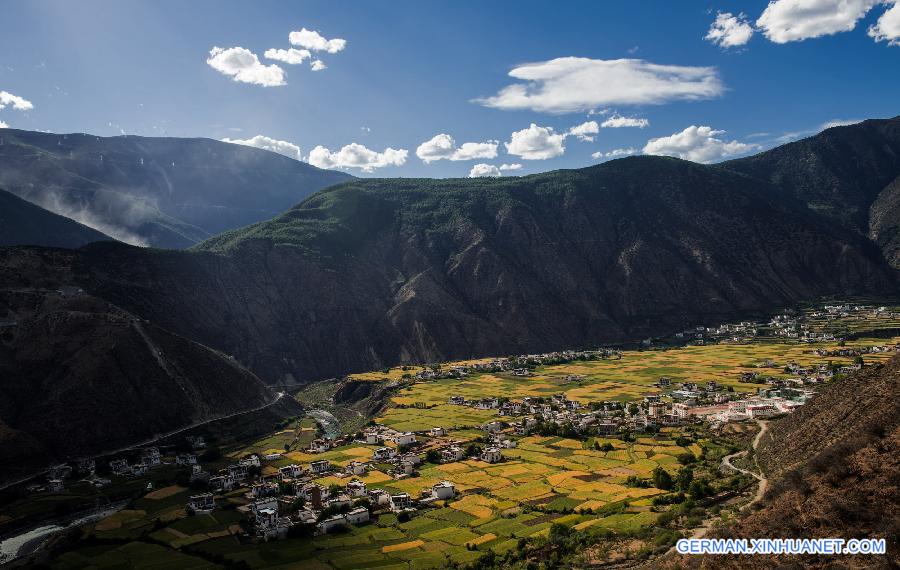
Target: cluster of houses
842, 311
58, 474
282, 500
675, 404
853, 352
603, 418
700, 335
517, 365
290, 497
789, 325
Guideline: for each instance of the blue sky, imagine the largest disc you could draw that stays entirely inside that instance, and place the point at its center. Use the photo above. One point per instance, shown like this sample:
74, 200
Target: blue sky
409, 71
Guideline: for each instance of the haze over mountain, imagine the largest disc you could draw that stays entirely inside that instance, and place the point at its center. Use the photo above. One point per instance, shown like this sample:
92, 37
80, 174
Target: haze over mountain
162, 192
23, 223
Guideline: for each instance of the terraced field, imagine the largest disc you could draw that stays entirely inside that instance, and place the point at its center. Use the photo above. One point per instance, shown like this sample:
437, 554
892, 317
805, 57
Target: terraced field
586, 485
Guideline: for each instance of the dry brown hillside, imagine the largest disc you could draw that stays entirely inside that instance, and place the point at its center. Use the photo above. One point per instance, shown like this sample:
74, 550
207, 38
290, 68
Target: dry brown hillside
834, 470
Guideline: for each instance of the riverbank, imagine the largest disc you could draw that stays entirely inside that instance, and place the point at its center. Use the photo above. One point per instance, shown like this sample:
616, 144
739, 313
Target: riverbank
31, 541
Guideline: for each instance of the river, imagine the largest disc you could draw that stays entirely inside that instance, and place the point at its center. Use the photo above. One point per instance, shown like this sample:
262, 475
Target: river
330, 424
32, 540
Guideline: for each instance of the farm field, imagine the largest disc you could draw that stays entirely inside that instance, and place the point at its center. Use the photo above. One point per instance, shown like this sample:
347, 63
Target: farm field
630, 378
543, 481
589, 485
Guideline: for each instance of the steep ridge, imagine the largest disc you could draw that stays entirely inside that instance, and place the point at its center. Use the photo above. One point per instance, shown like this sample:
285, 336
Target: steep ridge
839, 173
884, 222
80, 376
833, 468
163, 192
376, 272
23, 223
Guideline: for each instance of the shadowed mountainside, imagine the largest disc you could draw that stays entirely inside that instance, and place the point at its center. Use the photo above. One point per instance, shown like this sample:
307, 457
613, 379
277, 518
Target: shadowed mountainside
376, 272
371, 273
163, 192
79, 376
846, 174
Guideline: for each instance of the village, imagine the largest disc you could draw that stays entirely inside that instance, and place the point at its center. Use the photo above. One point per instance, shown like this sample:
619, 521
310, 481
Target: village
287, 500
577, 436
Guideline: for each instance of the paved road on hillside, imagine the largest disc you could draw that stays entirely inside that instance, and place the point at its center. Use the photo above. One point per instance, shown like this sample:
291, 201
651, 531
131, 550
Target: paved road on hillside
157, 437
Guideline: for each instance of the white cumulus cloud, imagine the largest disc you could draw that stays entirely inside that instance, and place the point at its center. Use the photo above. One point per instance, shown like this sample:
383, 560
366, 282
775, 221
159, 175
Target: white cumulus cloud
314, 41
794, 20
480, 170
266, 143
536, 143
887, 28
291, 56
513, 166
618, 122
442, 146
698, 144
317, 65
585, 131
729, 31
570, 84
3, 125
18, 103
615, 153
355, 155
243, 65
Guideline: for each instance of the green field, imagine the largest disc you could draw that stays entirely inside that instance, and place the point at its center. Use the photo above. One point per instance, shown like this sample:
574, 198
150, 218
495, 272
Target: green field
542, 481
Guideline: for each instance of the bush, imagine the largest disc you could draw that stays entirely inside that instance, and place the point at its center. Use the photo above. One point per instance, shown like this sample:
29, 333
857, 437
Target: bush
686, 458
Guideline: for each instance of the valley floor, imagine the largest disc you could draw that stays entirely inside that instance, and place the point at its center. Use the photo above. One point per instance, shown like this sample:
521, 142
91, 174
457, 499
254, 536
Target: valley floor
556, 490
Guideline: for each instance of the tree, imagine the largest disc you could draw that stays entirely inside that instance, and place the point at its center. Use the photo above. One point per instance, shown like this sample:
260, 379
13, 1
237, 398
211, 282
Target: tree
433, 456
686, 458
684, 478
559, 533
699, 488
662, 479
211, 454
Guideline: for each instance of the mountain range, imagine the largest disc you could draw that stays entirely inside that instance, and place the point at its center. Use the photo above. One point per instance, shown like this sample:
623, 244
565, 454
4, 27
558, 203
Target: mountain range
157, 191
371, 273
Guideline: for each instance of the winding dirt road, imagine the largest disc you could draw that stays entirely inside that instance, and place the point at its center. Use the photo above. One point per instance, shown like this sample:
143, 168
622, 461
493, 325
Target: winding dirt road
763, 481
726, 464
